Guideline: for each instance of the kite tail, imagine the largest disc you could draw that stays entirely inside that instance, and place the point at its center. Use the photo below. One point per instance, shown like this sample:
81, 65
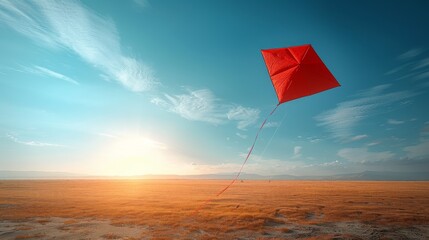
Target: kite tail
248, 154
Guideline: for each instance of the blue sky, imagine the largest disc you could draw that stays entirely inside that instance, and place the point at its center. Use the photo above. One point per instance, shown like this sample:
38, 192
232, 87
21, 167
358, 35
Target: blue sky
180, 87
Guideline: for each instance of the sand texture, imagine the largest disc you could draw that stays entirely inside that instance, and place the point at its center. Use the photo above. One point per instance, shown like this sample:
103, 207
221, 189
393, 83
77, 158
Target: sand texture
167, 209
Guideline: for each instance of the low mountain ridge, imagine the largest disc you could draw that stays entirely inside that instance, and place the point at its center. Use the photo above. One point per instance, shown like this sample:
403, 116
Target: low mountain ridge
361, 176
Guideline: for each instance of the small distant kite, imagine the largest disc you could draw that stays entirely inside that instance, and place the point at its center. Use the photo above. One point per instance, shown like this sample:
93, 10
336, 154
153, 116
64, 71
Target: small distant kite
295, 72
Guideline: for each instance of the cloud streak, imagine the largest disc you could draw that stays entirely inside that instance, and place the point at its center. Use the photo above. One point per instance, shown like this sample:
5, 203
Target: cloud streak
243, 115
412, 53
359, 137
53, 74
198, 105
362, 155
418, 151
297, 151
33, 143
415, 66
203, 105
394, 122
69, 25
242, 136
141, 3
342, 120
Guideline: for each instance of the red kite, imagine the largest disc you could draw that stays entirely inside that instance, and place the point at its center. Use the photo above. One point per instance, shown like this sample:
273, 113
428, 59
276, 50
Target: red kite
297, 72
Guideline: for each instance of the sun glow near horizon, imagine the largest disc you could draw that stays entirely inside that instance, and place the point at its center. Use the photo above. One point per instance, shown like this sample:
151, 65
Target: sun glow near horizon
136, 154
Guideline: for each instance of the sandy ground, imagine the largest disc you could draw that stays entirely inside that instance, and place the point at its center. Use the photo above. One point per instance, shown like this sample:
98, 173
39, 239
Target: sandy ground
166, 209
69, 228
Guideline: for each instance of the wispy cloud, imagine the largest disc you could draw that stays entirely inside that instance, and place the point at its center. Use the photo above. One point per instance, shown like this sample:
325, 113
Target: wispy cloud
51, 73
141, 3
414, 66
423, 63
333, 163
240, 135
342, 120
198, 105
395, 122
33, 143
314, 139
203, 105
418, 151
362, 155
412, 53
70, 25
359, 137
372, 144
425, 129
270, 166
244, 116
272, 124
297, 151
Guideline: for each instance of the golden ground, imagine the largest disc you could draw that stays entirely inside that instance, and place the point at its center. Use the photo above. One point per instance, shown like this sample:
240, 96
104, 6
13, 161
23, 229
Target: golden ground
166, 209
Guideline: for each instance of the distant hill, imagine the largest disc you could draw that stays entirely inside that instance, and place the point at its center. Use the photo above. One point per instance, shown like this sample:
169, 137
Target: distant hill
38, 175
383, 176
362, 176
205, 176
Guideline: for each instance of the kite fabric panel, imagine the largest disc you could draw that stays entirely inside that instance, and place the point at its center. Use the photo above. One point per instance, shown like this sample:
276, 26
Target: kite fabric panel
297, 72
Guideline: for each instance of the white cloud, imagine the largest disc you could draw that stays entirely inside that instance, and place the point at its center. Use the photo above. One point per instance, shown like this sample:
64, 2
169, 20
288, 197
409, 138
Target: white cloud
243, 115
397, 69
412, 53
362, 155
425, 129
372, 144
105, 77
70, 25
423, 75
341, 120
297, 150
418, 151
416, 66
141, 3
262, 165
359, 137
329, 164
314, 139
243, 136
203, 105
159, 101
33, 143
424, 63
198, 105
272, 125
50, 73
394, 122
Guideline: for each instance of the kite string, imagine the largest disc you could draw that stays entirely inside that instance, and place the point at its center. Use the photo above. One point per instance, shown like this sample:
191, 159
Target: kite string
242, 166
248, 154
272, 136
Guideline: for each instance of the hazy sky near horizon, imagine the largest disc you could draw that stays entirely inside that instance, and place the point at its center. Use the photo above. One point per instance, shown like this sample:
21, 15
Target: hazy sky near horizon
180, 87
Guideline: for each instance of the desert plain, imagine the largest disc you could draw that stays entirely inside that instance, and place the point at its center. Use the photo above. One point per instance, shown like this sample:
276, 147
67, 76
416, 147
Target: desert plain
189, 209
